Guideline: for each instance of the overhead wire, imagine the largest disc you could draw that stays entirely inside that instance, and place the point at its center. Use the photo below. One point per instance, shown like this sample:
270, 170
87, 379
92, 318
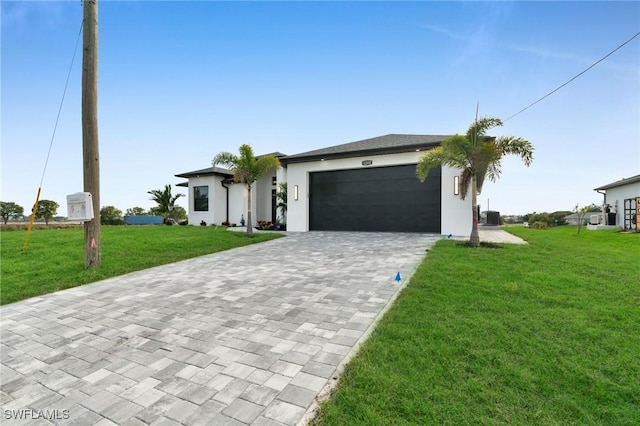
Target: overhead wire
64, 92
573, 78
53, 135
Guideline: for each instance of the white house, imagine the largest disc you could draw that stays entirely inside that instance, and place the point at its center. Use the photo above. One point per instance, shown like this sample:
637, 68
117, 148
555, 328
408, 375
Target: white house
368, 185
623, 198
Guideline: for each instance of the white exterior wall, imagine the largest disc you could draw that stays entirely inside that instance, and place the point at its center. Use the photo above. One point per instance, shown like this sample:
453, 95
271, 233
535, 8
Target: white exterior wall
457, 214
209, 216
263, 188
616, 197
237, 202
454, 219
260, 197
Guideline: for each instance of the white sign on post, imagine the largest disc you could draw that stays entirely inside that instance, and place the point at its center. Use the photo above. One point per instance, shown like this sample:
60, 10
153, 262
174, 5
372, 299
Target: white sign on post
80, 206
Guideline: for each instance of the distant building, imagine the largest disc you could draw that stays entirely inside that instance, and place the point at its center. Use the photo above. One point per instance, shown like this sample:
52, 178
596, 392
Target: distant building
622, 199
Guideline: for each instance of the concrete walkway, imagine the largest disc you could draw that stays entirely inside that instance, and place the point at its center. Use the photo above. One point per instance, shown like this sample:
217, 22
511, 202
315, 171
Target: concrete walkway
495, 234
247, 336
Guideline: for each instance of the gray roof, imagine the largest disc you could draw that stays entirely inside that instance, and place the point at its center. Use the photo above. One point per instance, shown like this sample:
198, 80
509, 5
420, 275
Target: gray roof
632, 179
219, 170
388, 144
276, 154
206, 172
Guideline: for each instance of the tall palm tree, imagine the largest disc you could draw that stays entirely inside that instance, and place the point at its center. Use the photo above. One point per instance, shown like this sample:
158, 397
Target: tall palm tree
247, 169
479, 157
166, 201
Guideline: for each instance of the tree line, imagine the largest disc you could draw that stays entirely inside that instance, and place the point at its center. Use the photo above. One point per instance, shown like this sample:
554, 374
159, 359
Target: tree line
109, 215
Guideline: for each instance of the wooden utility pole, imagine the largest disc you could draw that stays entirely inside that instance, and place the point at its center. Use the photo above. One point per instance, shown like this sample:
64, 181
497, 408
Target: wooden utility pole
90, 151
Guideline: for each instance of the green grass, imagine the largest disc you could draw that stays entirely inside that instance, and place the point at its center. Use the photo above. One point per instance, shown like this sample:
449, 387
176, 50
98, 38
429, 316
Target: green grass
540, 334
54, 259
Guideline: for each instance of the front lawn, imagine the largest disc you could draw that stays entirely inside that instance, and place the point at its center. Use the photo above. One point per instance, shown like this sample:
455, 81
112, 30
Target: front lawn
54, 259
541, 334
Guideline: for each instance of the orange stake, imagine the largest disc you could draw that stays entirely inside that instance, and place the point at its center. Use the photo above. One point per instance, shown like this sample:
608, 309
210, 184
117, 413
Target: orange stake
33, 217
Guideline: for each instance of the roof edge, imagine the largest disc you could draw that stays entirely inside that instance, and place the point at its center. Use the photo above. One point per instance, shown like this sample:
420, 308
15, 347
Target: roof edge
361, 153
621, 182
206, 172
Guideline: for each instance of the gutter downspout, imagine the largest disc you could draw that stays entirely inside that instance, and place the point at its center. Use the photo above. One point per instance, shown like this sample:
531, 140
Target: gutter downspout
605, 215
222, 182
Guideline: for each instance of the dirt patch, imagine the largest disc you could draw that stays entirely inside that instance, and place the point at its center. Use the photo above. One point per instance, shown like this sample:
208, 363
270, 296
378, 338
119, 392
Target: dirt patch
23, 226
483, 244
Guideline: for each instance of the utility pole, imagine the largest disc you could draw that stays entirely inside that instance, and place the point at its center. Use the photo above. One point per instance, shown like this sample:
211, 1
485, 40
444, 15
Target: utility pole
90, 151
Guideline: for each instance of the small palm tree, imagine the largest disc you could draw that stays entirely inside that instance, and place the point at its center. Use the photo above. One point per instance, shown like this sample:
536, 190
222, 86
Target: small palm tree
478, 156
166, 202
247, 169
281, 200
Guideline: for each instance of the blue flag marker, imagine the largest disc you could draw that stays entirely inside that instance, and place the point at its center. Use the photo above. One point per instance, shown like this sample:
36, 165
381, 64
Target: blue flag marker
397, 278
450, 235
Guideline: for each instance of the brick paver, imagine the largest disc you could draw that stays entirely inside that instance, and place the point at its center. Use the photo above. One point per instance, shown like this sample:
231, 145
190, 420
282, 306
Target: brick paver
247, 336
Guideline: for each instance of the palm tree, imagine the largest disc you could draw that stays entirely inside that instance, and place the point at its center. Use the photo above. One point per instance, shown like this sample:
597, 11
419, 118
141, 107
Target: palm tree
478, 156
247, 169
166, 201
281, 200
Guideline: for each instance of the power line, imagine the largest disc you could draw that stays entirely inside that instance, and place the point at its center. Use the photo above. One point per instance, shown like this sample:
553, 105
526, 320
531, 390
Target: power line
578, 75
55, 127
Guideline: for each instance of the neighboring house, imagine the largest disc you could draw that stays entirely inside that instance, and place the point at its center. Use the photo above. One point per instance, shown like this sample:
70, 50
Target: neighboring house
368, 185
573, 219
623, 197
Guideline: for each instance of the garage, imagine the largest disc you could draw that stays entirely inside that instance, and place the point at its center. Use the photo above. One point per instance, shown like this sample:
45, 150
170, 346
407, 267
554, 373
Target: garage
375, 199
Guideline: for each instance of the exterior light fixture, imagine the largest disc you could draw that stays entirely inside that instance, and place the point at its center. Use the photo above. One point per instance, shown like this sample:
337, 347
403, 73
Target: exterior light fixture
456, 185
295, 192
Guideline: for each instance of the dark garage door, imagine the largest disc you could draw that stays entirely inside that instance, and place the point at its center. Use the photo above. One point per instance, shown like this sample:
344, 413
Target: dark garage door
387, 199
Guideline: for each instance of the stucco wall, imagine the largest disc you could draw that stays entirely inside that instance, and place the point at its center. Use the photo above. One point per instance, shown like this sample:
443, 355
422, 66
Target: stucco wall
457, 215
263, 189
454, 218
237, 203
209, 216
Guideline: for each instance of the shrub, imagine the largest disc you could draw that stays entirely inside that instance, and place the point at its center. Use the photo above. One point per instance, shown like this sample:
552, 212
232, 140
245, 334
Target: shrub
265, 225
109, 215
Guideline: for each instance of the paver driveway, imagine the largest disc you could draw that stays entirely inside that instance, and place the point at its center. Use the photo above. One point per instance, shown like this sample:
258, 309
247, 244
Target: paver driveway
247, 336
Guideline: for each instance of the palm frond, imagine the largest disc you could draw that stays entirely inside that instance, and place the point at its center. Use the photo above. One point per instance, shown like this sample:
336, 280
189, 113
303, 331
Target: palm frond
516, 146
245, 167
265, 164
429, 160
458, 149
479, 128
226, 159
247, 158
465, 182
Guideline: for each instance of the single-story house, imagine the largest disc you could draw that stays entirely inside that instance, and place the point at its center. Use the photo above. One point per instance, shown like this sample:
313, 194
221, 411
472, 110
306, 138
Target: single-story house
368, 185
623, 199
574, 218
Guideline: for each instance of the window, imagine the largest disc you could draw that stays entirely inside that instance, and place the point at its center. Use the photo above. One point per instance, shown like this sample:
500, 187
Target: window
201, 198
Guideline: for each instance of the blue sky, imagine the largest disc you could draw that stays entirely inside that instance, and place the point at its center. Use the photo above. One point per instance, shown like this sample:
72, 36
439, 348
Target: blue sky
180, 82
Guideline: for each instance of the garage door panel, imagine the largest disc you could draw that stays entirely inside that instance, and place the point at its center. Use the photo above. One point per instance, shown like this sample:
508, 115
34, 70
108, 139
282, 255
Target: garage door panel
375, 199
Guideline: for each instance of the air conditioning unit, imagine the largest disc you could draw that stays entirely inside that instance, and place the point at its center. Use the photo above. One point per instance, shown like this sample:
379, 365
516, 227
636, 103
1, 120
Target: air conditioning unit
594, 219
